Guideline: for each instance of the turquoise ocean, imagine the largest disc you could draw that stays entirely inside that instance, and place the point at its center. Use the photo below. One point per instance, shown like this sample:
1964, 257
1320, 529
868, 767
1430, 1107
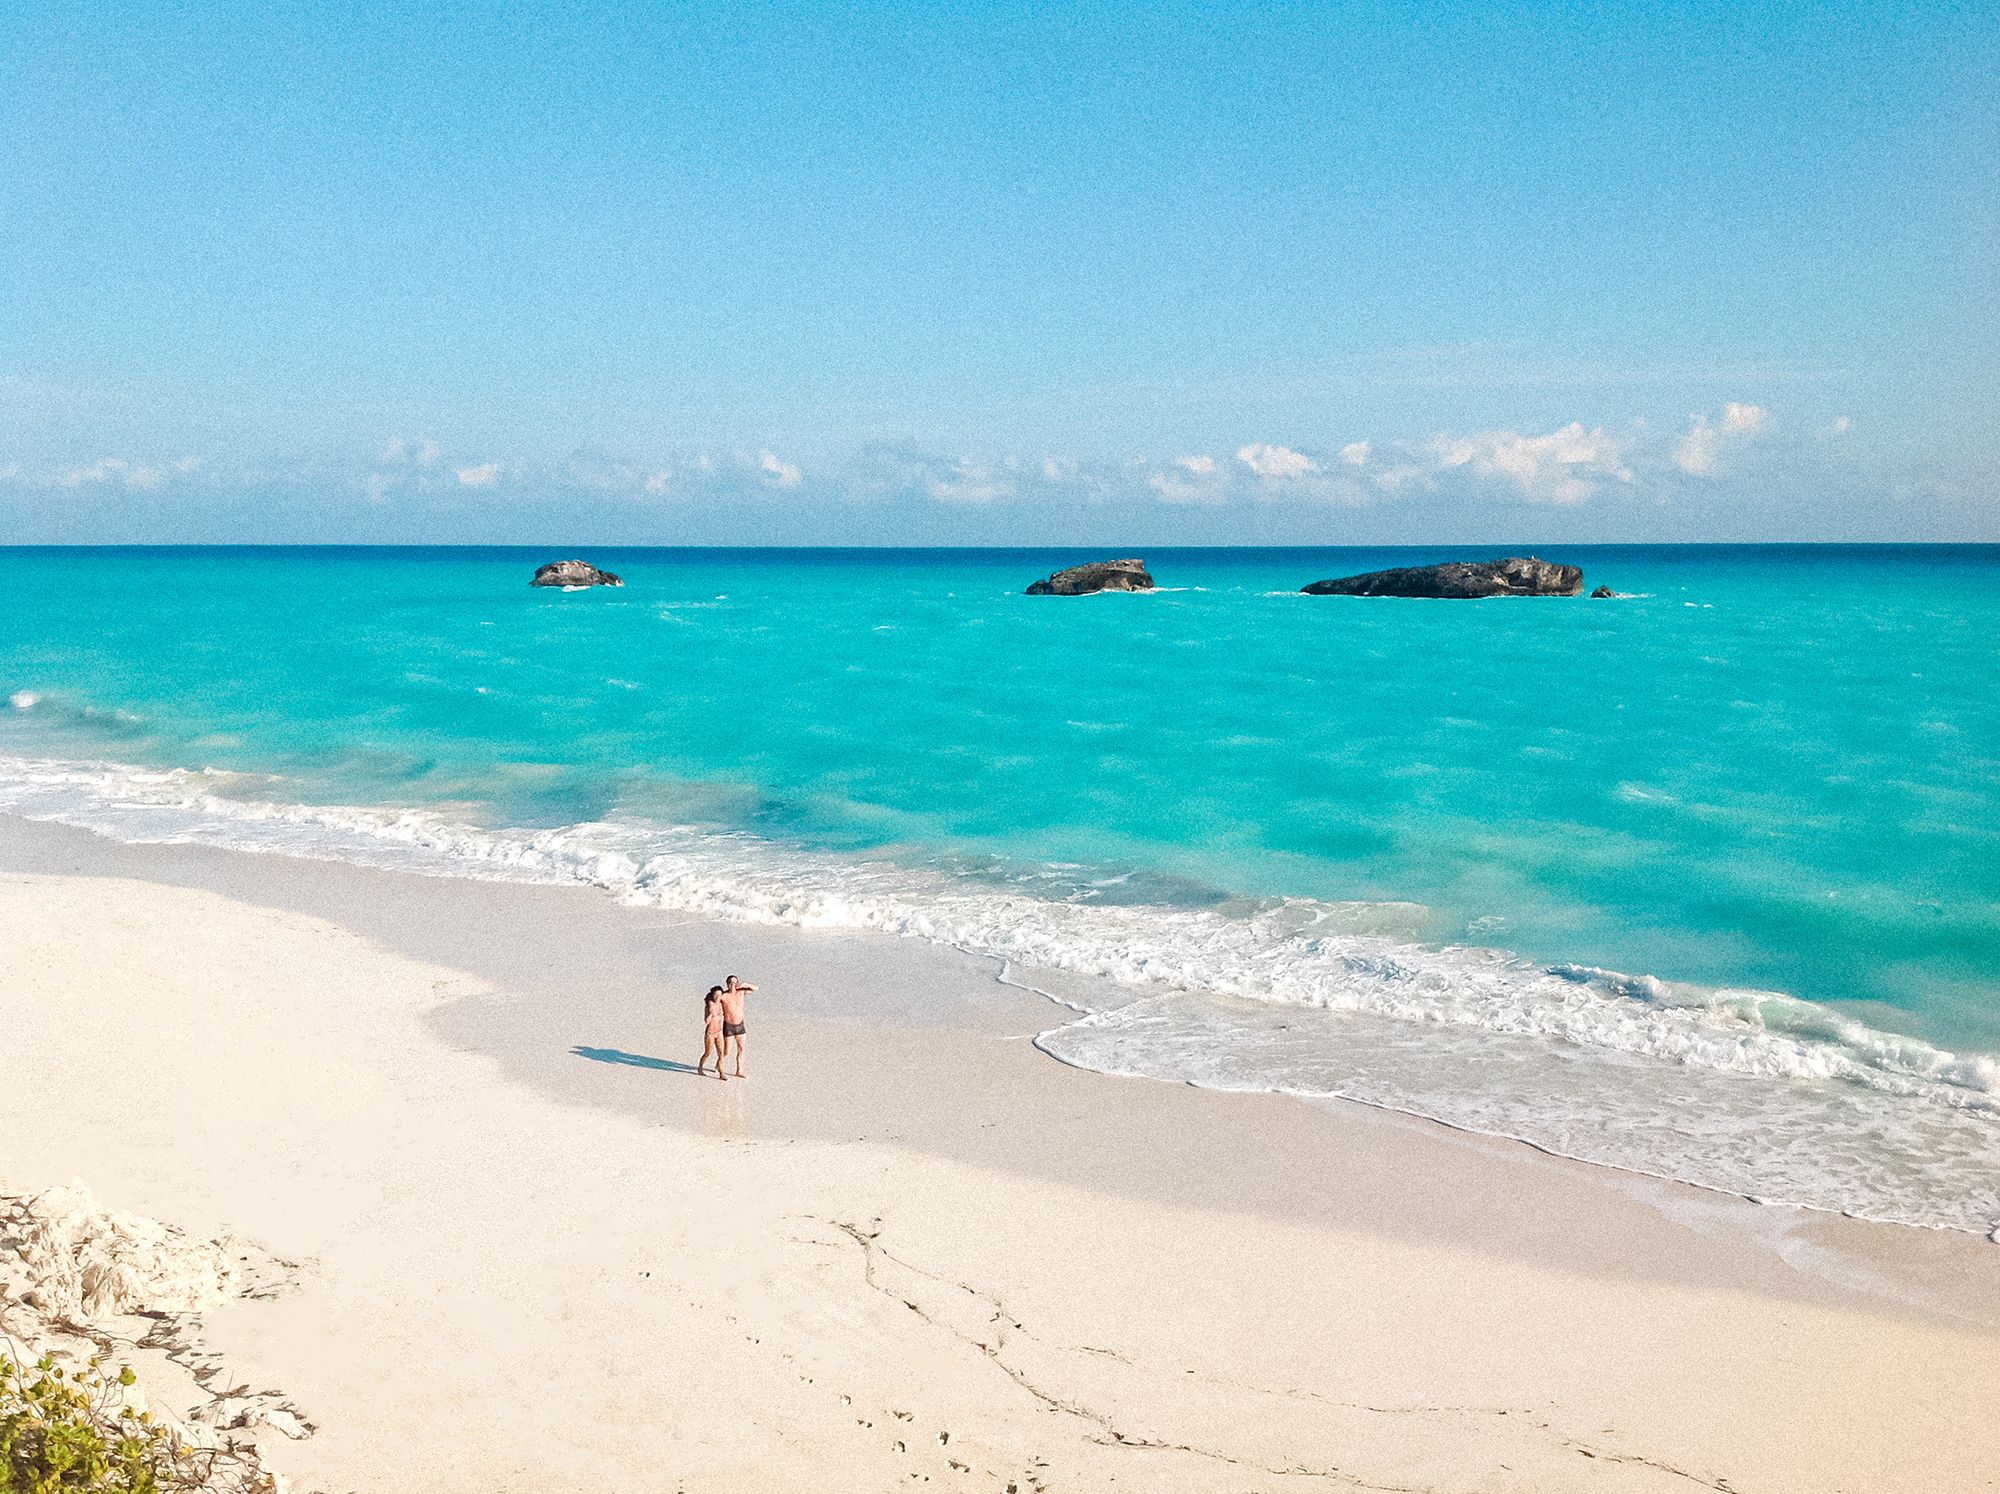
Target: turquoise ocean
1702, 881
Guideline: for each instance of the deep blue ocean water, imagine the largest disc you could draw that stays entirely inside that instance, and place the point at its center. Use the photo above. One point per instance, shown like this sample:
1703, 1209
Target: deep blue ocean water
1736, 827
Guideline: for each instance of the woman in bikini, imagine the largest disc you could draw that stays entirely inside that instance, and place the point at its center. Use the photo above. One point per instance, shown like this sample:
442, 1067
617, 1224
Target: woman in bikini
711, 1032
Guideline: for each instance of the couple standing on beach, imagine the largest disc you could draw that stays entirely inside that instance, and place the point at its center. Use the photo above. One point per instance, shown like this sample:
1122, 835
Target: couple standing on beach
722, 1023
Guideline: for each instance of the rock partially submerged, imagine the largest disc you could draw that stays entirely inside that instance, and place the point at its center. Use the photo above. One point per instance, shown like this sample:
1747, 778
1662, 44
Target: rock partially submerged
568, 573
1602, 591
1515, 576
1097, 575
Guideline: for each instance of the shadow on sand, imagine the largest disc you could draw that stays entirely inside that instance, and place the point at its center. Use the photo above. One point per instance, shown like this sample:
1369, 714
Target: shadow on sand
636, 1060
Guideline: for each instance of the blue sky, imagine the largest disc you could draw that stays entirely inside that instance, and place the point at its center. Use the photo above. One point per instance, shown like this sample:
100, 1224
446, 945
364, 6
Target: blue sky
817, 274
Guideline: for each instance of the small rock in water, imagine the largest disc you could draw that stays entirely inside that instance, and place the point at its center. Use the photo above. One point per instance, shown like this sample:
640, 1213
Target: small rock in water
569, 573
1095, 575
1515, 576
1602, 591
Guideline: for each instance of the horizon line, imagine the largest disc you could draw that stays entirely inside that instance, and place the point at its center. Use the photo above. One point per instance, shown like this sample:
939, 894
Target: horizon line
1898, 544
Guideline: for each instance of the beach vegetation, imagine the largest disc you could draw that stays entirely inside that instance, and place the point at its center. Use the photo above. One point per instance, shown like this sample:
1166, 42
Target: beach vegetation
77, 1431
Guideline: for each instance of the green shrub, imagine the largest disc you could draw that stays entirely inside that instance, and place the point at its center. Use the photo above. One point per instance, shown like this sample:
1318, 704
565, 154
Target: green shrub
71, 1432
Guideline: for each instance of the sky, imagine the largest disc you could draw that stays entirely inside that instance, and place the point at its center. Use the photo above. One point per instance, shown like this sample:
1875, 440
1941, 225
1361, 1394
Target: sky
877, 274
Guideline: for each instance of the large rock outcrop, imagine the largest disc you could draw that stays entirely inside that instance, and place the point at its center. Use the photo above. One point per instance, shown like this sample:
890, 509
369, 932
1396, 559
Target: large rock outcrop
1097, 575
570, 573
1516, 576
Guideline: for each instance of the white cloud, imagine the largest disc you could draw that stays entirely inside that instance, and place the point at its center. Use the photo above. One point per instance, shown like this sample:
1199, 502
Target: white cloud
967, 481
1191, 479
113, 472
1702, 451
1067, 473
779, 474
1403, 475
1745, 420
423, 451
1275, 463
1566, 466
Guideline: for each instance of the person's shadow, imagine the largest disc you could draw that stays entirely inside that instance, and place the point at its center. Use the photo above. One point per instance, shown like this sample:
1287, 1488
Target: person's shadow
636, 1060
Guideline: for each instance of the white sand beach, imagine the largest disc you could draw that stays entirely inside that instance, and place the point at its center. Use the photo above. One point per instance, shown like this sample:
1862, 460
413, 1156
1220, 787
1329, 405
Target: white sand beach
489, 1233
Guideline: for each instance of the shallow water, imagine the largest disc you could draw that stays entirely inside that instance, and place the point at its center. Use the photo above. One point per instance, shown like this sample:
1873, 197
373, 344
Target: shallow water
1703, 880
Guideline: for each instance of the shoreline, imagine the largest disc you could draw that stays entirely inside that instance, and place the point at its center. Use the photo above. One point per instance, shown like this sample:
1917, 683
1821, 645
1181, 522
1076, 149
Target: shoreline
942, 997
1361, 1256
1559, 1058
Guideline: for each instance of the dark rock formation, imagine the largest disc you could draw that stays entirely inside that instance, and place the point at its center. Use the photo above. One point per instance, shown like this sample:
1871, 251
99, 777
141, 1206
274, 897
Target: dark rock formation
1512, 577
1602, 591
1098, 575
573, 573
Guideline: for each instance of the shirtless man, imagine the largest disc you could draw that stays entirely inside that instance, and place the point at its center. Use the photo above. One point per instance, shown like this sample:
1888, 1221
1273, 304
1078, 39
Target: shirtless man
731, 1001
